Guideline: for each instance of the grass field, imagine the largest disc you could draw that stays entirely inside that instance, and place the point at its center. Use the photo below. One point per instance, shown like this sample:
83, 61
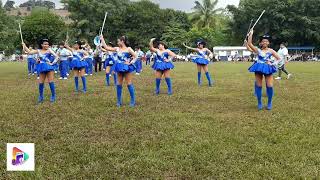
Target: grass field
197, 133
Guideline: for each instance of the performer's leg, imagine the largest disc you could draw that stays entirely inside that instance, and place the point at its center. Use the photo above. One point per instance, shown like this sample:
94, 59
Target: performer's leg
259, 78
270, 93
168, 81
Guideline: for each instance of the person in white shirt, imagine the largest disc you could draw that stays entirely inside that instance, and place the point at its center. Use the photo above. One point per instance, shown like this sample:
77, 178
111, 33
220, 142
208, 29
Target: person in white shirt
63, 54
98, 54
89, 60
148, 57
283, 53
138, 63
31, 62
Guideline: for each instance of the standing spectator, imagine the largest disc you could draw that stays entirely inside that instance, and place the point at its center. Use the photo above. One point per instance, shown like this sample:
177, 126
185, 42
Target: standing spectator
138, 63
98, 58
283, 53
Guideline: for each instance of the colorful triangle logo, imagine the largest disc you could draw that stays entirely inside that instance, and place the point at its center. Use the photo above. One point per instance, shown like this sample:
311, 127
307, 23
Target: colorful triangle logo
18, 156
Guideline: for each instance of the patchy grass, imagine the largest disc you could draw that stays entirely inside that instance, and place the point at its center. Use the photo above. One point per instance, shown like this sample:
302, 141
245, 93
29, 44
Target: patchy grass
199, 132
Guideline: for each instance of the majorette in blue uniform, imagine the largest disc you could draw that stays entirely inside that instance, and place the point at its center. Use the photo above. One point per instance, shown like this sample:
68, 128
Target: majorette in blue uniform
78, 62
264, 66
44, 63
202, 60
261, 66
78, 65
120, 66
162, 64
45, 67
126, 58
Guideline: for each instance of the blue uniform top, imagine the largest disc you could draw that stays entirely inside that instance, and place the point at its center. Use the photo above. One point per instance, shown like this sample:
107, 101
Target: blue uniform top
202, 54
47, 57
77, 55
264, 57
162, 57
123, 56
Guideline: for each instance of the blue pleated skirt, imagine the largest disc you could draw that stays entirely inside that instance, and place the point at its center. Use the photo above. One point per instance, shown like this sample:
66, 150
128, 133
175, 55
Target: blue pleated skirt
77, 64
162, 66
200, 61
44, 68
124, 68
263, 68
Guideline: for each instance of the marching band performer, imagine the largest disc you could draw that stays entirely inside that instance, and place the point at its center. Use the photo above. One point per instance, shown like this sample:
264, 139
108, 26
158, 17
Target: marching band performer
124, 67
162, 64
263, 68
78, 64
45, 67
202, 60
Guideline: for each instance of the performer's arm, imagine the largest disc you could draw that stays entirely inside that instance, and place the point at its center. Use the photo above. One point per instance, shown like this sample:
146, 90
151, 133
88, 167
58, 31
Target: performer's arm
251, 46
210, 53
247, 46
188, 47
27, 50
68, 47
103, 50
276, 55
171, 54
104, 45
134, 56
56, 57
151, 45
69, 54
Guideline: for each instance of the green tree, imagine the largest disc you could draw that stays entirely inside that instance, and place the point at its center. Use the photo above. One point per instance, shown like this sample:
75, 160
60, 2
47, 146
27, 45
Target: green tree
174, 35
204, 14
88, 16
43, 24
292, 21
213, 37
140, 20
178, 25
143, 20
8, 32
